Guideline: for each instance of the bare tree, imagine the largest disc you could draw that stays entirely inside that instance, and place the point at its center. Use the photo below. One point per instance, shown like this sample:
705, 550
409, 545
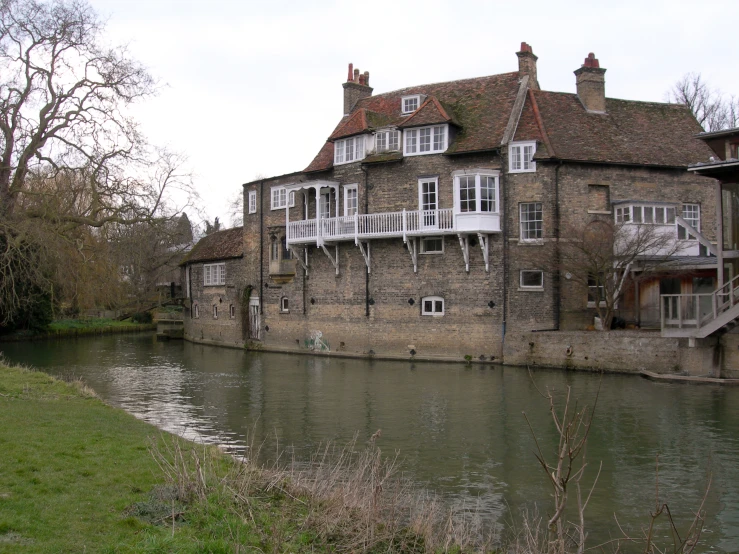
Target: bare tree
602, 257
713, 110
71, 159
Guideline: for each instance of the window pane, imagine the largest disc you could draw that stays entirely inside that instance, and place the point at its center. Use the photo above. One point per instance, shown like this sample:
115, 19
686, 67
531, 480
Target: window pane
531, 221
648, 214
532, 279
487, 194
670, 215
339, 151
528, 153
428, 306
410, 141
467, 193
438, 138
393, 138
381, 141
515, 158
439, 306
424, 140
637, 214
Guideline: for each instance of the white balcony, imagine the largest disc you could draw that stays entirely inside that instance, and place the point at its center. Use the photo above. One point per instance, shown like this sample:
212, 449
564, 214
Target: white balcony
402, 224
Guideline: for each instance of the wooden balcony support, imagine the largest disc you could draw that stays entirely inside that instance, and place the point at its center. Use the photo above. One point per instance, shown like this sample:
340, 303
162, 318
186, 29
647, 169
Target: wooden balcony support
365, 253
333, 259
464, 243
296, 255
485, 246
413, 250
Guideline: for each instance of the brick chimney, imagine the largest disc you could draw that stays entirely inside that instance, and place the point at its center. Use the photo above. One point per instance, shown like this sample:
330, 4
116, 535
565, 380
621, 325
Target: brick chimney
527, 65
591, 85
355, 88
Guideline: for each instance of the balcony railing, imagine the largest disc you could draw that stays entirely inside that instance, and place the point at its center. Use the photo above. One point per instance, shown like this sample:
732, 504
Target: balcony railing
693, 311
385, 225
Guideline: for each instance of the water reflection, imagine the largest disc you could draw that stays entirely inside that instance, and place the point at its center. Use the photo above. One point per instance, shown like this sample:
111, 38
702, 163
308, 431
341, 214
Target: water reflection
460, 430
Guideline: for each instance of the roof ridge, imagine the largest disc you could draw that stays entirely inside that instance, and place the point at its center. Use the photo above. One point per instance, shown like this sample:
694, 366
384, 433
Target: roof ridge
390, 92
654, 102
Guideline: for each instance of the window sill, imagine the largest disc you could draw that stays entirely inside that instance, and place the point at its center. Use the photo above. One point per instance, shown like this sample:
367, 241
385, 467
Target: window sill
284, 311
533, 242
530, 289
431, 253
601, 212
522, 170
424, 153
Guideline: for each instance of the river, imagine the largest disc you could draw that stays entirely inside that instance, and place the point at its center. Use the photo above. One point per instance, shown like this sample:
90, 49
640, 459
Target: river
460, 430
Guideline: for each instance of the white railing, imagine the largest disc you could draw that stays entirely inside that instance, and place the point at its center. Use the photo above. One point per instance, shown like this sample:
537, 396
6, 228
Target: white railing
365, 226
694, 311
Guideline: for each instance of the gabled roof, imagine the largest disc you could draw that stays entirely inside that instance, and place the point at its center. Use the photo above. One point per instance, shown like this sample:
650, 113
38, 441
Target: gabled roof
431, 112
221, 245
630, 132
480, 107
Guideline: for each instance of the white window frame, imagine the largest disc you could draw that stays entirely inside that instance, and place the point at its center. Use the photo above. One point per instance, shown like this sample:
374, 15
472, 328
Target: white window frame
478, 175
215, 311
412, 142
521, 284
636, 214
423, 248
252, 201
356, 150
214, 274
406, 101
434, 311
279, 197
689, 220
518, 162
385, 136
355, 209
523, 233
284, 305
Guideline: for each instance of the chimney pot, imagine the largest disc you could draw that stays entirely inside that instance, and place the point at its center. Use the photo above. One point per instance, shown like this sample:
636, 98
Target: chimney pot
366, 78
351, 72
361, 79
356, 76
355, 88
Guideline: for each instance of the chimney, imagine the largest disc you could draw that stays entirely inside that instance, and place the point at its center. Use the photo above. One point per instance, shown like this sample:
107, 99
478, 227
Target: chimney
355, 88
527, 65
591, 85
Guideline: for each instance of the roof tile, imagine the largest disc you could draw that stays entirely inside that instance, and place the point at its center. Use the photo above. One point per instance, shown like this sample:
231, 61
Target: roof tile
221, 245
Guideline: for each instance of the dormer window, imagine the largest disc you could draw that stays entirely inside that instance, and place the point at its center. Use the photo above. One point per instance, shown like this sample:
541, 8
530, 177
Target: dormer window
521, 157
409, 104
387, 141
349, 150
425, 140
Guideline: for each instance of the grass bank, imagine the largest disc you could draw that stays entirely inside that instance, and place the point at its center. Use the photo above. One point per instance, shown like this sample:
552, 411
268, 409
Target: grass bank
77, 475
67, 328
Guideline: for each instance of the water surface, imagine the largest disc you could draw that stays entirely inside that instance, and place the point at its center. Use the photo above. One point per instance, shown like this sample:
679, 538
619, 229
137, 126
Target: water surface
460, 430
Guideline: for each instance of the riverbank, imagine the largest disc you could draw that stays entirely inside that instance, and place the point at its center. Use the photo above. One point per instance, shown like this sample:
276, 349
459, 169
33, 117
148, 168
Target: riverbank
77, 475
79, 328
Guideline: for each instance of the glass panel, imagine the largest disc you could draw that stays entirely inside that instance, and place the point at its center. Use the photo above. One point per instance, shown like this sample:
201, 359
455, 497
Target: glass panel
439, 138
393, 140
532, 279
670, 215
410, 141
637, 214
381, 142
659, 215
487, 194
648, 214
439, 305
531, 221
467, 193
528, 153
515, 158
428, 306
424, 140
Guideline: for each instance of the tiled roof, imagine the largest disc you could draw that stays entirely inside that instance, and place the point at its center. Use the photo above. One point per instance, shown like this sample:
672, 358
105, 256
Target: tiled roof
351, 125
480, 106
221, 245
630, 132
429, 113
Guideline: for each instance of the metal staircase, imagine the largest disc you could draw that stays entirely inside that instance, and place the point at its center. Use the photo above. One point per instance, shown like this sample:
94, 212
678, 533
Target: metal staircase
700, 315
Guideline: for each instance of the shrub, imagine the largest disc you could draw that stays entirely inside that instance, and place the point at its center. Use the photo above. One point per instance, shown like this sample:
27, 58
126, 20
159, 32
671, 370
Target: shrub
142, 317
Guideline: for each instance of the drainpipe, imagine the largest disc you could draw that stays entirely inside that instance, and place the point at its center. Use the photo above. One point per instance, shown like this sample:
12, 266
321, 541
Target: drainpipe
557, 278
365, 170
504, 218
261, 247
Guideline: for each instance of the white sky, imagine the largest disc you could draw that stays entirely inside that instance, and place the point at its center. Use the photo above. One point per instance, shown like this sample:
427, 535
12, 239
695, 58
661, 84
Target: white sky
253, 88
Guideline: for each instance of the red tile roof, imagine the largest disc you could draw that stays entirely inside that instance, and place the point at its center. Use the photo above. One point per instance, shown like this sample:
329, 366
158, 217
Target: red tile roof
480, 106
429, 113
221, 245
630, 132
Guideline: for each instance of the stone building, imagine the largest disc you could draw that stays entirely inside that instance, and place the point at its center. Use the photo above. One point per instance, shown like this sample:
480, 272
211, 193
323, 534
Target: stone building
427, 225
215, 289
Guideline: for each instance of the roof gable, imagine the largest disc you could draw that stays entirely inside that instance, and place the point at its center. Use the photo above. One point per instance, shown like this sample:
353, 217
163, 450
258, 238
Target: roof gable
429, 113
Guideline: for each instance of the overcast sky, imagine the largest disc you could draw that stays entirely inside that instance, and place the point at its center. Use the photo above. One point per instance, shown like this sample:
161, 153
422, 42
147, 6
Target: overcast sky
254, 88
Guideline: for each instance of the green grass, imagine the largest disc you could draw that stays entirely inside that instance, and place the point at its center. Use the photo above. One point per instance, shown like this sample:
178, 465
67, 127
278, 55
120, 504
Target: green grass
76, 475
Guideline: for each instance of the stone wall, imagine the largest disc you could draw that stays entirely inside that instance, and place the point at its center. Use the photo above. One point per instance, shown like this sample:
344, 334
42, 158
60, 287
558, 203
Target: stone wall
619, 351
203, 325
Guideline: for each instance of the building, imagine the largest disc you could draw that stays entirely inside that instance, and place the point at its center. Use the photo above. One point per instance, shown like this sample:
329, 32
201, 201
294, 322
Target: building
427, 225
216, 294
